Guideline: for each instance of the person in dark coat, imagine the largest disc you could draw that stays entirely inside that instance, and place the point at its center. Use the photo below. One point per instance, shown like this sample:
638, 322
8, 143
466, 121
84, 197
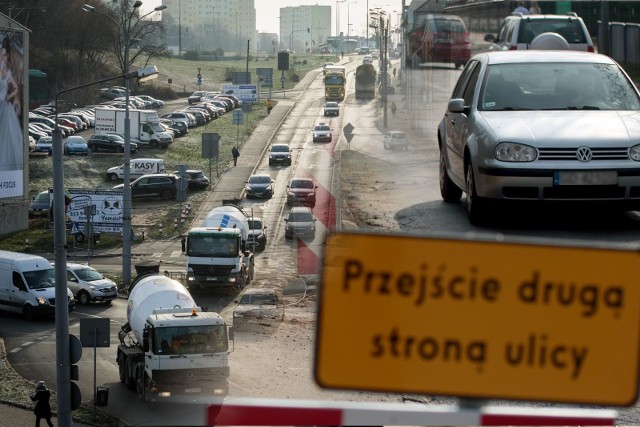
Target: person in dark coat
235, 153
42, 409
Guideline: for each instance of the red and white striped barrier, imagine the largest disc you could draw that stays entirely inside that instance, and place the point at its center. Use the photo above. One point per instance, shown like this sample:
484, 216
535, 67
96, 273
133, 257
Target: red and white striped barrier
252, 412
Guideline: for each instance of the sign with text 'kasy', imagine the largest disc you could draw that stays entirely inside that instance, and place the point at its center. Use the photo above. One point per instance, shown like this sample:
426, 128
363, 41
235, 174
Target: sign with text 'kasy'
479, 319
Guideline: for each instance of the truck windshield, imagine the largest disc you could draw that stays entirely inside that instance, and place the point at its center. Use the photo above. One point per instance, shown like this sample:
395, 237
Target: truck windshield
190, 340
218, 245
40, 278
334, 80
156, 127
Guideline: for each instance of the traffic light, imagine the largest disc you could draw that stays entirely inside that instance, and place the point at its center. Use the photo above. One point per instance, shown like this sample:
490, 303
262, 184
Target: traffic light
283, 61
75, 352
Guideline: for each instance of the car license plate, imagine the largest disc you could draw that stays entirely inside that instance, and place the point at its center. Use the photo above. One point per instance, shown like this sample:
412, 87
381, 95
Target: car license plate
193, 390
212, 279
585, 178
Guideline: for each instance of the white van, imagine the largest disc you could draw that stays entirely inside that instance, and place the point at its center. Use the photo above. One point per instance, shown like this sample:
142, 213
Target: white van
27, 285
138, 167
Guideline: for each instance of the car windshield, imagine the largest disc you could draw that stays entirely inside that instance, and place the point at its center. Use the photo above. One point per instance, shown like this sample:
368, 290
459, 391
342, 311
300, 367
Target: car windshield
557, 86
301, 184
322, 128
42, 197
255, 224
266, 298
259, 180
398, 135
280, 148
332, 104
88, 274
300, 217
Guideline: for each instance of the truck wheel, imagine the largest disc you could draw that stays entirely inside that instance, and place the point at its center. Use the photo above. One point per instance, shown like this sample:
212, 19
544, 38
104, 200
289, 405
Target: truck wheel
113, 177
84, 298
154, 144
121, 370
130, 382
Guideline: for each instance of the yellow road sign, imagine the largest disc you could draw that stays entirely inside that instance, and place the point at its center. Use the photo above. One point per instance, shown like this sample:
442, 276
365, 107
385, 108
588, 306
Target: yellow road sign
479, 319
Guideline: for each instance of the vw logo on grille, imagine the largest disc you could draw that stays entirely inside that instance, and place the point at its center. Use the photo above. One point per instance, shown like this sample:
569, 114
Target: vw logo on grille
584, 154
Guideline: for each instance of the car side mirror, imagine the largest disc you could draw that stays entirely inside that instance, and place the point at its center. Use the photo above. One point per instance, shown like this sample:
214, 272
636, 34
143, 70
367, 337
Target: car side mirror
286, 220
456, 105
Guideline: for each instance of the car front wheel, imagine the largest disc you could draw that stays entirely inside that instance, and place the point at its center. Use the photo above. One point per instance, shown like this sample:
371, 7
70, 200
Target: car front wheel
448, 190
476, 206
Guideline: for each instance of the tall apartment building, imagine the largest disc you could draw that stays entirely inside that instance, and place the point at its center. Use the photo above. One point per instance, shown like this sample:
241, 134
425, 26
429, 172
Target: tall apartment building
302, 28
206, 25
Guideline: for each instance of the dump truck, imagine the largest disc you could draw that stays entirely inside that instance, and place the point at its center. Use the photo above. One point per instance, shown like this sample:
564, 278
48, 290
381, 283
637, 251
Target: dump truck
365, 82
169, 346
217, 251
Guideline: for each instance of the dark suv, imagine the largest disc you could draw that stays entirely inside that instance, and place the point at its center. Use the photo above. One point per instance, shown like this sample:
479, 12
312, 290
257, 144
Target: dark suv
160, 185
111, 143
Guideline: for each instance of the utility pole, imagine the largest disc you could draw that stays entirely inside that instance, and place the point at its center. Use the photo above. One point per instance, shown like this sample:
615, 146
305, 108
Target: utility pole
179, 28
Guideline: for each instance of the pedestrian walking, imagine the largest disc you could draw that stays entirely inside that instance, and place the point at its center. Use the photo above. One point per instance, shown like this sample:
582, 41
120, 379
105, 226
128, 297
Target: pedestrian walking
393, 108
269, 106
394, 73
183, 243
43, 408
235, 153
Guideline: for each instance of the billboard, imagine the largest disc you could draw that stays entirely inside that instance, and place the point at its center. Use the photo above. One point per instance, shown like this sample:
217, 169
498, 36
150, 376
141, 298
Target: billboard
12, 108
106, 214
247, 93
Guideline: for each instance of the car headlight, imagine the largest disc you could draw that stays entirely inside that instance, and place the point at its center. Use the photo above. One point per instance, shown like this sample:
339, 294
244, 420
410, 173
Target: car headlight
513, 152
41, 300
290, 194
634, 153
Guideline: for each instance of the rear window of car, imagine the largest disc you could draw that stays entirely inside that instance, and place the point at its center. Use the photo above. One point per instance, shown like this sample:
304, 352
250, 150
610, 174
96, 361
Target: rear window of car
570, 29
280, 148
300, 217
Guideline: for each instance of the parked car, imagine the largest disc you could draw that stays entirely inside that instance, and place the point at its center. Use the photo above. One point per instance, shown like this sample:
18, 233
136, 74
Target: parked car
257, 234
196, 96
322, 133
89, 285
44, 144
111, 93
158, 185
259, 186
109, 142
301, 191
300, 223
541, 126
197, 180
395, 139
75, 145
40, 205
180, 116
519, 31
152, 102
280, 154
258, 306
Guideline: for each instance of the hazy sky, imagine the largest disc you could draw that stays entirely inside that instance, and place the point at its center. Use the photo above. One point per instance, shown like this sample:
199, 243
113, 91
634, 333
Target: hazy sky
353, 12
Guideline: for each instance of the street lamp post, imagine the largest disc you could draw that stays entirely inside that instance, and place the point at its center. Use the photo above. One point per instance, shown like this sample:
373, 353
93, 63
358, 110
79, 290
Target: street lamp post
126, 190
63, 353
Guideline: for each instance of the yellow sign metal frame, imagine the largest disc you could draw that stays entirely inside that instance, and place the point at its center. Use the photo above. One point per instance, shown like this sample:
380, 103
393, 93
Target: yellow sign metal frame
479, 319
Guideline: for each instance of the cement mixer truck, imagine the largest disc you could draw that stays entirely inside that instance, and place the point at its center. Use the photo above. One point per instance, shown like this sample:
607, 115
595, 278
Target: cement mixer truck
217, 252
169, 347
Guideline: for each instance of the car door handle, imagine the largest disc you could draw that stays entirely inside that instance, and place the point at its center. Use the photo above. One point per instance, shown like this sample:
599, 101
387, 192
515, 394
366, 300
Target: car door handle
453, 121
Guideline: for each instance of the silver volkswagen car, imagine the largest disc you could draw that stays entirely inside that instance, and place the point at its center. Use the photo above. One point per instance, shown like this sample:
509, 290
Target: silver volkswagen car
540, 125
